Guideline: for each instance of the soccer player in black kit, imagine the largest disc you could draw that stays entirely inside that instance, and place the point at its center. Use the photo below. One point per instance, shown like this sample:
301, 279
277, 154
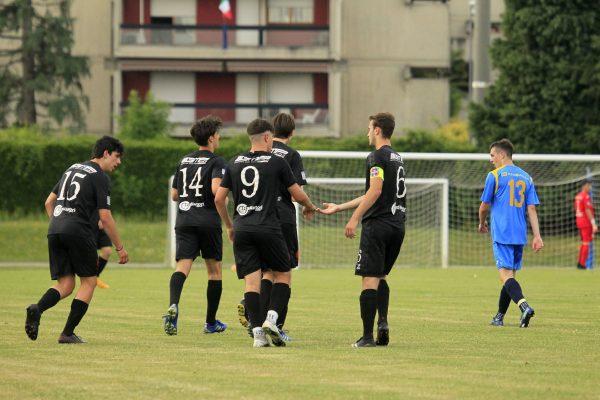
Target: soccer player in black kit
83, 189
382, 210
285, 127
198, 226
254, 179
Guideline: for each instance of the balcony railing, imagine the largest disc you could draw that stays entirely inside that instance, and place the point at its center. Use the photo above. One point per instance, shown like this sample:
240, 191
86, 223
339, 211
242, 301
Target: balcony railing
242, 113
225, 36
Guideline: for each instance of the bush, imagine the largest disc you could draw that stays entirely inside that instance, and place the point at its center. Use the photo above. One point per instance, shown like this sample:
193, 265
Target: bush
144, 120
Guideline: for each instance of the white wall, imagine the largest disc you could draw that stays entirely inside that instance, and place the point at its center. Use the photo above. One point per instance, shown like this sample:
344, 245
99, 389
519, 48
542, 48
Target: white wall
289, 88
175, 88
247, 13
246, 91
173, 8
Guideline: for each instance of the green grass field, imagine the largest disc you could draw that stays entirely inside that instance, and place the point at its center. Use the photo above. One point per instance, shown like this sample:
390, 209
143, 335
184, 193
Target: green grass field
441, 344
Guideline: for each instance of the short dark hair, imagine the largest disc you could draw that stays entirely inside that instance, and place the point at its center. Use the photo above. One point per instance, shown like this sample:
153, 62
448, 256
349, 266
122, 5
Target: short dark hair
505, 145
259, 126
205, 128
284, 125
587, 181
107, 143
384, 121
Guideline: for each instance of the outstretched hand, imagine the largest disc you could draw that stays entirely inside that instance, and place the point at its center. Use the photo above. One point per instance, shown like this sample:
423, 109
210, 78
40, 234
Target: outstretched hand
329, 208
309, 213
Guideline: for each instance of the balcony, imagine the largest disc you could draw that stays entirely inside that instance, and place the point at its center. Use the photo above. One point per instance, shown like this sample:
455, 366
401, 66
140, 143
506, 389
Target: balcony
223, 42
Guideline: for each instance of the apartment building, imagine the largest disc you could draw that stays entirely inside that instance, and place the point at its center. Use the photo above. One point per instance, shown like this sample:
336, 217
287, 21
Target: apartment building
330, 63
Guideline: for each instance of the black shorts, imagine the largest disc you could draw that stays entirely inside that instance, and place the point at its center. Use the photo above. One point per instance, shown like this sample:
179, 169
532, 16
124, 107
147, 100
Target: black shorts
194, 240
380, 245
72, 255
290, 235
102, 239
256, 251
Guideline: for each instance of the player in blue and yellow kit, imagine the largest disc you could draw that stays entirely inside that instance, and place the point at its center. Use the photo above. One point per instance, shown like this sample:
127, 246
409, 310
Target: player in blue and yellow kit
510, 194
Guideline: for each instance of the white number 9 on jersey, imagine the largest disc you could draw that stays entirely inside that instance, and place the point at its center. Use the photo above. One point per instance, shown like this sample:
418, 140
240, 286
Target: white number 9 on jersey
253, 183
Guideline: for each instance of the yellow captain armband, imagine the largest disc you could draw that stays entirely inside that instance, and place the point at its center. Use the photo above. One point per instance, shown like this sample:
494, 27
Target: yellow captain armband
376, 172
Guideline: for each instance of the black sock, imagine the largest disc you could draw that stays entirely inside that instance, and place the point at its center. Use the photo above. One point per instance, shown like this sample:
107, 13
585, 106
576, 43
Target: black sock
513, 289
176, 286
368, 308
280, 295
266, 287
383, 300
252, 303
213, 297
283, 315
503, 301
78, 310
101, 264
48, 300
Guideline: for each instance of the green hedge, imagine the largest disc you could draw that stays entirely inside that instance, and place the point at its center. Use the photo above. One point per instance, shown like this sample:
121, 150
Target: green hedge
31, 163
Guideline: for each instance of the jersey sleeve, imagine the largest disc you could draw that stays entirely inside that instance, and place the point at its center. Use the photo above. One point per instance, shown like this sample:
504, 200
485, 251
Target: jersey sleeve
219, 168
226, 181
532, 197
55, 188
286, 176
489, 188
298, 169
102, 190
176, 178
376, 166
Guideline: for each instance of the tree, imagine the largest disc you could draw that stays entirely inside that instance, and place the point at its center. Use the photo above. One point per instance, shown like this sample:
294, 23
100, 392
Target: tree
39, 76
547, 96
144, 120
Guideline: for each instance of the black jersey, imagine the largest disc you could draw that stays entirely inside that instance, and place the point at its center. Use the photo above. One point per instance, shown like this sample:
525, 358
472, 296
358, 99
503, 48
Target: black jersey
285, 207
193, 181
390, 207
254, 179
82, 190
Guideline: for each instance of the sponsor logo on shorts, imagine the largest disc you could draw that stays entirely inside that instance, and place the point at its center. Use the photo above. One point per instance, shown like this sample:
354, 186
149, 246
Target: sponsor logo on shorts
60, 209
358, 259
242, 209
186, 205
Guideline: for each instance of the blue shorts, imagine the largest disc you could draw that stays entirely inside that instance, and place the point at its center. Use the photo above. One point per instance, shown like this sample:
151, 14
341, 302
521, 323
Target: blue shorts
509, 256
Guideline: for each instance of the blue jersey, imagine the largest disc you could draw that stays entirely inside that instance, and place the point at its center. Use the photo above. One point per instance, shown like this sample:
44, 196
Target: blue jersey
510, 190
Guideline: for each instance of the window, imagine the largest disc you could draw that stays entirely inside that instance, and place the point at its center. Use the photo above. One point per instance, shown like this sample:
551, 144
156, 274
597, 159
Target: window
290, 11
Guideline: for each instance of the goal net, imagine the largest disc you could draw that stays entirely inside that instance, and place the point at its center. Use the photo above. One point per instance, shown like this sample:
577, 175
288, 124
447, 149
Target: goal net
443, 197
557, 179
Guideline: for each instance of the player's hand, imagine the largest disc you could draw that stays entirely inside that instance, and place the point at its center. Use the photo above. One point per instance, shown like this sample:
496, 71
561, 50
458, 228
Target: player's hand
329, 208
537, 244
595, 228
123, 256
230, 234
483, 228
351, 228
309, 213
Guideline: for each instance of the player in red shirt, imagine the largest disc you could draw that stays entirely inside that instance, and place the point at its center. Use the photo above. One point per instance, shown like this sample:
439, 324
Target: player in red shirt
584, 214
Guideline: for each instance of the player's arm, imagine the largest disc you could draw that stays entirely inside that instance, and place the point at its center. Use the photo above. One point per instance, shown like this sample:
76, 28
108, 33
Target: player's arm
221, 204
332, 208
588, 212
49, 204
110, 227
215, 183
174, 194
301, 197
537, 243
484, 211
367, 201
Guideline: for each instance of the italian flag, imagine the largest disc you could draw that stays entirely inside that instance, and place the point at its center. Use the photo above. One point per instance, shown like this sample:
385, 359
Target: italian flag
225, 8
